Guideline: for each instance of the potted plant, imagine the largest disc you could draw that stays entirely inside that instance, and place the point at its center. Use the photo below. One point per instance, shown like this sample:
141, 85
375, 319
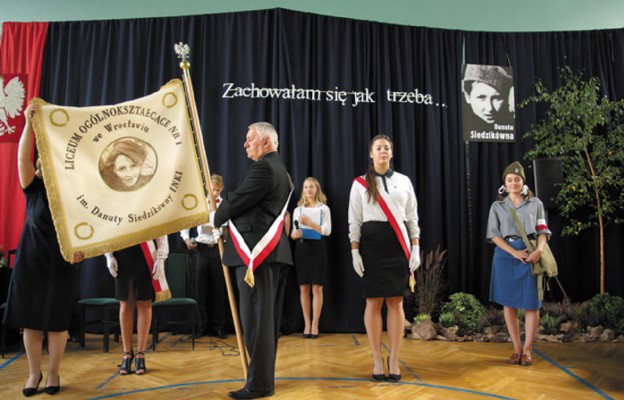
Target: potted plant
427, 292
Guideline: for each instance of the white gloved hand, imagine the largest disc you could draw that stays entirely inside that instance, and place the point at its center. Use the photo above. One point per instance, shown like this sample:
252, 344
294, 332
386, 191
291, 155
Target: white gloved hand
111, 264
211, 218
358, 264
216, 235
414, 260
159, 268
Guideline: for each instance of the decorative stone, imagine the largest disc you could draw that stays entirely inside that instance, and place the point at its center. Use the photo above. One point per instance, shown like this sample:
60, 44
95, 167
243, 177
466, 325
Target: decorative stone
595, 330
491, 330
425, 329
568, 327
549, 338
450, 332
607, 336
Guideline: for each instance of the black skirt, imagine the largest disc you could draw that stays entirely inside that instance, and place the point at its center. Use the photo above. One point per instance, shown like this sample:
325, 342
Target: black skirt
133, 271
386, 269
311, 261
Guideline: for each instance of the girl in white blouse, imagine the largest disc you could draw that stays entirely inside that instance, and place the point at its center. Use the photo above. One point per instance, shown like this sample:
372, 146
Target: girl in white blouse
311, 252
384, 235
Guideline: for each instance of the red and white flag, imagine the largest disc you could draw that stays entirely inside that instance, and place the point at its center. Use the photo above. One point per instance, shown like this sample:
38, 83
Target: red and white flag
21, 54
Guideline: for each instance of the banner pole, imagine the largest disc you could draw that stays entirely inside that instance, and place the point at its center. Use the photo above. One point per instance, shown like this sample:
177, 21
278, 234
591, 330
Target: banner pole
182, 50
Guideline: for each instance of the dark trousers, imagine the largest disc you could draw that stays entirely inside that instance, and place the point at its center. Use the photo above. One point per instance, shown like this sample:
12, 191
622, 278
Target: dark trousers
208, 287
260, 310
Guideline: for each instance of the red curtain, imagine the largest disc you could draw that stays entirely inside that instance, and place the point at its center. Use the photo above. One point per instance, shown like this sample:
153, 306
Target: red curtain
21, 52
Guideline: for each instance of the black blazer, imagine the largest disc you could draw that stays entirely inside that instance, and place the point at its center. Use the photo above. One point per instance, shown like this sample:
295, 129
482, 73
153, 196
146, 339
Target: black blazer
254, 205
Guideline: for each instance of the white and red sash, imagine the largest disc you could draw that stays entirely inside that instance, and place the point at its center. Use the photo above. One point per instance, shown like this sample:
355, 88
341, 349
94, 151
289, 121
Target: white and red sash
400, 230
390, 211
253, 258
161, 288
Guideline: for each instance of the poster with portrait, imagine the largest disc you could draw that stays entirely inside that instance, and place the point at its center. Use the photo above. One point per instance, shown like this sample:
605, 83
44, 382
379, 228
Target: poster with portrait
488, 103
122, 174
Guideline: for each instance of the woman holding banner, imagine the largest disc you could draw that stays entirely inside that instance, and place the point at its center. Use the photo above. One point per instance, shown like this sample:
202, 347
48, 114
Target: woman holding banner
134, 289
384, 235
311, 216
42, 284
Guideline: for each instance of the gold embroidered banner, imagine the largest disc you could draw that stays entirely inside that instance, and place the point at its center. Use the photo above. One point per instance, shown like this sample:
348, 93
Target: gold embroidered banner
122, 174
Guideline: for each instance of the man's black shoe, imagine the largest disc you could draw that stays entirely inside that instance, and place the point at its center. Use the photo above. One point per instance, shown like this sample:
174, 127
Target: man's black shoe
221, 334
246, 394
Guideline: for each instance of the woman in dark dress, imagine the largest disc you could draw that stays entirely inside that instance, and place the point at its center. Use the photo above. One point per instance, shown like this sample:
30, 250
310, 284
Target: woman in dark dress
384, 235
311, 254
42, 283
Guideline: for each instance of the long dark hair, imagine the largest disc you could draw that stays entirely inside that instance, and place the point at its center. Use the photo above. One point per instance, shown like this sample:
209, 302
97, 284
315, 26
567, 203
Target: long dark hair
370, 173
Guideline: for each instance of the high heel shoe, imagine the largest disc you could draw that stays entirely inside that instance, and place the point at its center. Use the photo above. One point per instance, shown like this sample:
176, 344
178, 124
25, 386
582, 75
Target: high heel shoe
392, 377
126, 363
27, 392
52, 390
378, 377
139, 363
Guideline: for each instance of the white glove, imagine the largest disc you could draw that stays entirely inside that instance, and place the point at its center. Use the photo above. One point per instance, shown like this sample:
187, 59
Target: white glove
159, 268
162, 251
211, 218
358, 264
414, 260
216, 235
111, 264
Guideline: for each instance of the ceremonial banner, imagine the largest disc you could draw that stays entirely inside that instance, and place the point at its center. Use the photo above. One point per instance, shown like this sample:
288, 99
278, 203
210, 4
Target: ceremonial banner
122, 174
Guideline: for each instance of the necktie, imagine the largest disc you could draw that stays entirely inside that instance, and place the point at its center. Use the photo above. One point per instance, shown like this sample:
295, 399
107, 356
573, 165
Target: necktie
388, 174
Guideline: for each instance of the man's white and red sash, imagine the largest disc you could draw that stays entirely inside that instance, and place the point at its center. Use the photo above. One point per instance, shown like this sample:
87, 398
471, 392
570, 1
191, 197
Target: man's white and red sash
254, 257
161, 288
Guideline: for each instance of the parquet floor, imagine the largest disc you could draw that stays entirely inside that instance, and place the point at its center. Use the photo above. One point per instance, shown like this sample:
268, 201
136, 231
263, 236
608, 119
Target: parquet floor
335, 366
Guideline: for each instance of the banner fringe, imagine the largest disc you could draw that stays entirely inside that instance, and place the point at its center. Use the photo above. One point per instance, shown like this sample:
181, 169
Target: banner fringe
163, 295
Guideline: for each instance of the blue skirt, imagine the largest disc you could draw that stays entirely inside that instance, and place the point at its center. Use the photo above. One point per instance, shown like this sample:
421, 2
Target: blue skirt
511, 282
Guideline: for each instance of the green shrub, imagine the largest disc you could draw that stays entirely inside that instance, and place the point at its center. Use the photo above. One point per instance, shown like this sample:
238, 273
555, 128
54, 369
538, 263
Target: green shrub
492, 317
421, 317
550, 323
607, 310
555, 309
448, 319
467, 307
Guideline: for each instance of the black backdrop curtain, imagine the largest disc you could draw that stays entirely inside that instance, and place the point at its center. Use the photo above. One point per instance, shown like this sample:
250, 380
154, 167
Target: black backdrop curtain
104, 62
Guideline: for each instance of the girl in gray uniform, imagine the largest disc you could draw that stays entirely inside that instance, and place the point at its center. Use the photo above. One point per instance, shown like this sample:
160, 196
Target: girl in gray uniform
512, 284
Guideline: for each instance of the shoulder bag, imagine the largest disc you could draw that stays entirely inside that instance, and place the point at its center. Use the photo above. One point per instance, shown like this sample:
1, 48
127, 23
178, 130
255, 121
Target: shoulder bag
547, 265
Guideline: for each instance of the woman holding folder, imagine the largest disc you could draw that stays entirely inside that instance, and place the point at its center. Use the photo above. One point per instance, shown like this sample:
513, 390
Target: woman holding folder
311, 226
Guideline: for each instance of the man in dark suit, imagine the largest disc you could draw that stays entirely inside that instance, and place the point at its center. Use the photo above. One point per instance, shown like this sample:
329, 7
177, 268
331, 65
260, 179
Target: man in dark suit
256, 211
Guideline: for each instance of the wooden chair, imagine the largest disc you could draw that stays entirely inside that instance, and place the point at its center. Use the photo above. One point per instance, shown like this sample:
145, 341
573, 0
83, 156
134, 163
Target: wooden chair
175, 270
